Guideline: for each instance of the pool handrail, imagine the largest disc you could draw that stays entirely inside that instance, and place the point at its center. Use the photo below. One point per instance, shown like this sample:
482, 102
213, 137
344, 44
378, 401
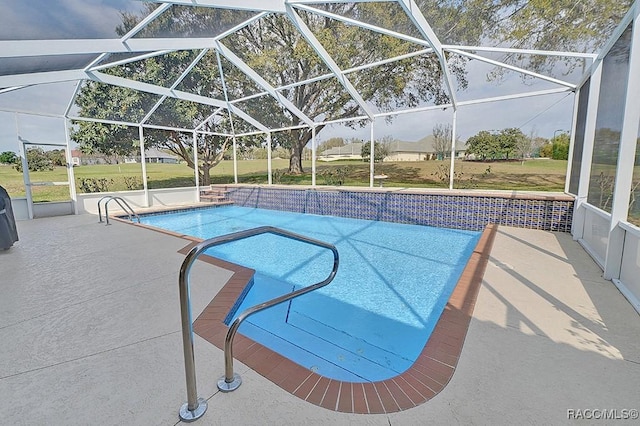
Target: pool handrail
195, 407
123, 205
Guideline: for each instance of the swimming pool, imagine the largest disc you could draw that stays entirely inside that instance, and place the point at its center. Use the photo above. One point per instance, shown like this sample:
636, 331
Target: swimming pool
373, 320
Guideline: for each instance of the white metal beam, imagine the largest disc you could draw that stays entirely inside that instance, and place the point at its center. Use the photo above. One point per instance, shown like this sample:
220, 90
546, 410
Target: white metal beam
416, 16
572, 141
473, 102
314, 153
521, 51
21, 48
175, 84
452, 167
625, 163
128, 60
253, 75
577, 226
143, 164
206, 120
328, 60
72, 99
11, 89
104, 121
41, 78
220, 36
364, 25
196, 170
346, 71
372, 155
146, 126
163, 91
513, 68
142, 24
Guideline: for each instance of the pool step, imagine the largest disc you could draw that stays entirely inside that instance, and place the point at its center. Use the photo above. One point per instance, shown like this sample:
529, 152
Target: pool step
313, 345
312, 352
215, 196
345, 343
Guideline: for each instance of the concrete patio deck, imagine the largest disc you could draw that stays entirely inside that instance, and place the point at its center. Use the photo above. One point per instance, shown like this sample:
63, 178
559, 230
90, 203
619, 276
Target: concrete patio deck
90, 332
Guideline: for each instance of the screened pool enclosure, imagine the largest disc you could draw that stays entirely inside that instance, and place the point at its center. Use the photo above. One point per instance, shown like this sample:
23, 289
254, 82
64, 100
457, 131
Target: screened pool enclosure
221, 74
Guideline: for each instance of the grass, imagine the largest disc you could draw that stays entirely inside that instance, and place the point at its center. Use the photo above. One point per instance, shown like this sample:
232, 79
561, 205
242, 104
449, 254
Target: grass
534, 175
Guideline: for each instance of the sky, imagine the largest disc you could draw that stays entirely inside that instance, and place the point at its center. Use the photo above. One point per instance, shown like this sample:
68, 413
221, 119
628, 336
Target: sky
72, 19
542, 116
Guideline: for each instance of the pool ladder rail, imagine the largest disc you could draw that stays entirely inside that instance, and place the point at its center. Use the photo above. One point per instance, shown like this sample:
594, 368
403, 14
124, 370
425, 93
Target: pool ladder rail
123, 205
195, 407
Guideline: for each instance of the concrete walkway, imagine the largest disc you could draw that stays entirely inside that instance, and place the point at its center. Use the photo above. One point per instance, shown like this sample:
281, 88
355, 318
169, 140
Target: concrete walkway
90, 333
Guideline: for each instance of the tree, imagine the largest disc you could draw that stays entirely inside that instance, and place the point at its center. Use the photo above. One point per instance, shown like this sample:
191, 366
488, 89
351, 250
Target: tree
537, 142
557, 147
483, 145
525, 146
442, 135
8, 157
381, 148
509, 140
495, 146
275, 49
102, 101
57, 157
561, 25
99, 138
37, 160
560, 147
330, 143
403, 83
546, 150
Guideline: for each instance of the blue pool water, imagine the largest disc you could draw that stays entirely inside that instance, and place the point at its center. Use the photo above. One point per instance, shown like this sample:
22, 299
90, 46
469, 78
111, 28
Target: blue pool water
372, 321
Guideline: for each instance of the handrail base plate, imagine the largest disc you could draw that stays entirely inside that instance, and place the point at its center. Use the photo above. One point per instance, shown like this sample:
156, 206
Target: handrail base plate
225, 386
187, 415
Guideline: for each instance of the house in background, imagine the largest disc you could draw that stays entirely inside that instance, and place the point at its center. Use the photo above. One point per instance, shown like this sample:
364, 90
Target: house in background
75, 157
80, 158
152, 155
424, 149
352, 151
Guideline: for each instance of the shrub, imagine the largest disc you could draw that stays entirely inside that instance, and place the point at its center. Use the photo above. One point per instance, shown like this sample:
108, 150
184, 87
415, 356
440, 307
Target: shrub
335, 176
89, 185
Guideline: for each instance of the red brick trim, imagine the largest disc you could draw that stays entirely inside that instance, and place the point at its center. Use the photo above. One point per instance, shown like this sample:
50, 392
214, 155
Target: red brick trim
422, 381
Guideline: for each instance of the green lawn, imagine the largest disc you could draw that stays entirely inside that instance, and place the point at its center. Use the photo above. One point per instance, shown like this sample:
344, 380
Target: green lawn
538, 175
533, 175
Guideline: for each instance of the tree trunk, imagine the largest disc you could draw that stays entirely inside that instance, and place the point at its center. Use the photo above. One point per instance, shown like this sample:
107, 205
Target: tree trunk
205, 175
295, 161
300, 138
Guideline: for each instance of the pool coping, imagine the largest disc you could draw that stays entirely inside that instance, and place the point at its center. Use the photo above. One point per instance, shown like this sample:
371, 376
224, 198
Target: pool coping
428, 376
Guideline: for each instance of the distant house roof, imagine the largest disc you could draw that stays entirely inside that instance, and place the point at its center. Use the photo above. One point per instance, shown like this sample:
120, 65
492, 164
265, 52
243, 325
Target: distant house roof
426, 144
156, 153
423, 145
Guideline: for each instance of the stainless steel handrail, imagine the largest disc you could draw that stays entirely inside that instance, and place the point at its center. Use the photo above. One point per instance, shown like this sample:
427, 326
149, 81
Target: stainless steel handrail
123, 205
99, 209
195, 407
